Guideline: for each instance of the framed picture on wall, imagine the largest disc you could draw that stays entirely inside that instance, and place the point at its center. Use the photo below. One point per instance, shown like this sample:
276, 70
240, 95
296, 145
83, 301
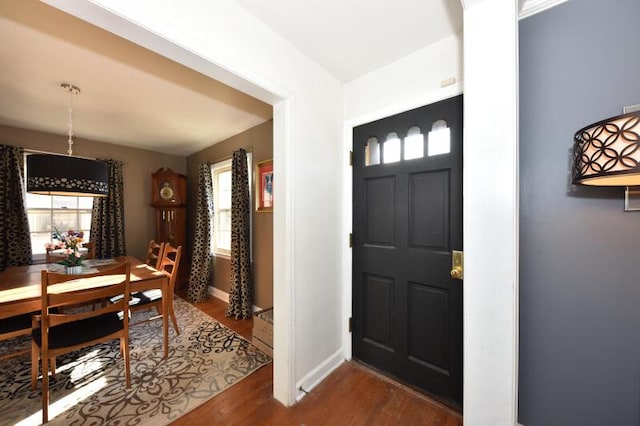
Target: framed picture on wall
264, 186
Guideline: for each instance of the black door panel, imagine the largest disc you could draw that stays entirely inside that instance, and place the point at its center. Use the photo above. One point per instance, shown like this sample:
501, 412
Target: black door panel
407, 219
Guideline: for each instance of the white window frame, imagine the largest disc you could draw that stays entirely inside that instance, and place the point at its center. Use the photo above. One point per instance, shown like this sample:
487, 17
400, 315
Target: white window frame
51, 209
216, 169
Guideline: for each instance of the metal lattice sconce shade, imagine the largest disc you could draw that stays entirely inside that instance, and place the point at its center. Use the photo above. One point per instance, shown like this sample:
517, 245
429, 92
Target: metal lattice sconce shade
607, 153
51, 174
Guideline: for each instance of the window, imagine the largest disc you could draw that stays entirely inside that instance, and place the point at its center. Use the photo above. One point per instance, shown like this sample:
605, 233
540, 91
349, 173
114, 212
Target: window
391, 149
439, 139
221, 177
414, 144
372, 152
64, 213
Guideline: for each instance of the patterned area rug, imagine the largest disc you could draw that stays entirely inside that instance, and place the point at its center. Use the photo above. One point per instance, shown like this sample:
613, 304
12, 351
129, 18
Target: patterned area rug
89, 387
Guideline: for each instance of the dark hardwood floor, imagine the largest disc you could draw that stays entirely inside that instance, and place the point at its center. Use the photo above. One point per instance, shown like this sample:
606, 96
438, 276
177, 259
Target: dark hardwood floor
351, 395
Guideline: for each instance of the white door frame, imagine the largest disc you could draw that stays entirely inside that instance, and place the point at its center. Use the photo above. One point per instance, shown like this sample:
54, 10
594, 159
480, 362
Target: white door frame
234, 75
490, 232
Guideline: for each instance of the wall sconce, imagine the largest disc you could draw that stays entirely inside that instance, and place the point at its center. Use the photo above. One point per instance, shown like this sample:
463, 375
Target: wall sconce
607, 153
51, 174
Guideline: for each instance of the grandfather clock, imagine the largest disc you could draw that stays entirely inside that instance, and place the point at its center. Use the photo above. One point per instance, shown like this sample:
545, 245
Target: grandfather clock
169, 198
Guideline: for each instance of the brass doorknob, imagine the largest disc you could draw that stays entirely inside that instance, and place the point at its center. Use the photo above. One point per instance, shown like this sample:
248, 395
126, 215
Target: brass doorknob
456, 273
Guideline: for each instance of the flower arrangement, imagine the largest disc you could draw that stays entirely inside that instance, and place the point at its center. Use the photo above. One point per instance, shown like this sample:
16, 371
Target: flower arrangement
70, 243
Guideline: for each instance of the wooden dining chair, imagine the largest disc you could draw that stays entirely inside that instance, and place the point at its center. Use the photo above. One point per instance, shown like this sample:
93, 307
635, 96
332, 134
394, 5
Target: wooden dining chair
12, 326
152, 297
154, 254
54, 257
91, 250
59, 331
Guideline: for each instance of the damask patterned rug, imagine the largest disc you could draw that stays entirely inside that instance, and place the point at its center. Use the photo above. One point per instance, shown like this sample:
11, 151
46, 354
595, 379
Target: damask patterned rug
89, 387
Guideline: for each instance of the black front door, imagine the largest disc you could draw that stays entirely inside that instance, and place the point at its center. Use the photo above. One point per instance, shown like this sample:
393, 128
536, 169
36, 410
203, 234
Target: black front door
407, 219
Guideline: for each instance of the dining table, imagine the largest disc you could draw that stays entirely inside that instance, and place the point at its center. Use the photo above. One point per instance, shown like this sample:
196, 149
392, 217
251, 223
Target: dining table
21, 288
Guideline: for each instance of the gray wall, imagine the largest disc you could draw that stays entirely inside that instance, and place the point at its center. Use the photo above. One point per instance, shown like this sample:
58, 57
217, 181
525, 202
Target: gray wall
579, 251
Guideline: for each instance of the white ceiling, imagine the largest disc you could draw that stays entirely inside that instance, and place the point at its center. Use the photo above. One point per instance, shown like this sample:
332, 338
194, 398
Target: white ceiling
350, 38
133, 97
129, 95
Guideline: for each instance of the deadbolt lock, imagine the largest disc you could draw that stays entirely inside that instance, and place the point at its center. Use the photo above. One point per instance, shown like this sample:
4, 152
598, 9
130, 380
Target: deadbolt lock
457, 260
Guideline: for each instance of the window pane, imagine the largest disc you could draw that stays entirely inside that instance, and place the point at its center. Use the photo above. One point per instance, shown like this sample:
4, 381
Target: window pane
85, 203
38, 240
64, 202
222, 230
372, 152
414, 146
85, 221
39, 221
391, 149
65, 220
224, 190
35, 201
223, 240
439, 139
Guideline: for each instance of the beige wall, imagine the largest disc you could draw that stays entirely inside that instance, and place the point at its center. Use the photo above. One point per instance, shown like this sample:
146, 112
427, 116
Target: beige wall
139, 164
258, 140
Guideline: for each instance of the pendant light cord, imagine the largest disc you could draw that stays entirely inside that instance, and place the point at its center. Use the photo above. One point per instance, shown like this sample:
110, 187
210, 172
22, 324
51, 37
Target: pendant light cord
70, 125
72, 90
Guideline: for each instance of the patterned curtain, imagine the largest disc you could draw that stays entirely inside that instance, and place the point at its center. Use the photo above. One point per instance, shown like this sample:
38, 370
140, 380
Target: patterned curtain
241, 294
201, 268
107, 217
14, 226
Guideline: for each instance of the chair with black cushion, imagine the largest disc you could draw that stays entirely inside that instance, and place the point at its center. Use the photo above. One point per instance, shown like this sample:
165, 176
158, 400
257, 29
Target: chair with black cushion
12, 326
58, 331
154, 254
152, 297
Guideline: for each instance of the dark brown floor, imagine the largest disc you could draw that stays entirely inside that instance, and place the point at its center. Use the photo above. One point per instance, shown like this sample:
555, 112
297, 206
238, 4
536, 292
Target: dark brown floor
351, 395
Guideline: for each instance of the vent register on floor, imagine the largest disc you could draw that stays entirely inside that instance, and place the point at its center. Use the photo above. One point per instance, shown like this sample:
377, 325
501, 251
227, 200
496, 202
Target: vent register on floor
263, 330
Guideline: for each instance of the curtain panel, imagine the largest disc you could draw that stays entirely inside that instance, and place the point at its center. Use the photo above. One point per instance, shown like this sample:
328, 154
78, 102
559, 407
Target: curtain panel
202, 258
107, 217
15, 249
241, 294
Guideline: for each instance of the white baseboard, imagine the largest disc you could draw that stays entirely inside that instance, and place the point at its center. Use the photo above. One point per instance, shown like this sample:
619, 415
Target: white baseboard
219, 294
224, 296
318, 374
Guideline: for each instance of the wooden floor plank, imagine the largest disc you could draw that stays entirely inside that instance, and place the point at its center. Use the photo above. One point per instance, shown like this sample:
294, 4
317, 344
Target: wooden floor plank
351, 395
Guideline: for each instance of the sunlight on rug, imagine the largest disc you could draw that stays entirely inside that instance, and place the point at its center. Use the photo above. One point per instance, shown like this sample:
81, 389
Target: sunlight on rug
89, 387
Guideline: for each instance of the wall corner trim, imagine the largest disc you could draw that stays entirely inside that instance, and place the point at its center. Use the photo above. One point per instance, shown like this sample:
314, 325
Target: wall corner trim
531, 7
318, 374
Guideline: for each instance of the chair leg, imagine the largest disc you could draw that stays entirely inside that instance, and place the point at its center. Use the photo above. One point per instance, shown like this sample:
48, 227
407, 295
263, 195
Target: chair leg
53, 366
45, 390
35, 361
172, 314
175, 322
124, 349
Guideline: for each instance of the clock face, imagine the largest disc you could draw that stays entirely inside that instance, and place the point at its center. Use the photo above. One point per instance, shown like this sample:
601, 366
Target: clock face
166, 192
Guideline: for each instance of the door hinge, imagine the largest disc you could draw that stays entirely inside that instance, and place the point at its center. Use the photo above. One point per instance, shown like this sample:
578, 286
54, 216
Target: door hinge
350, 240
351, 158
350, 324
